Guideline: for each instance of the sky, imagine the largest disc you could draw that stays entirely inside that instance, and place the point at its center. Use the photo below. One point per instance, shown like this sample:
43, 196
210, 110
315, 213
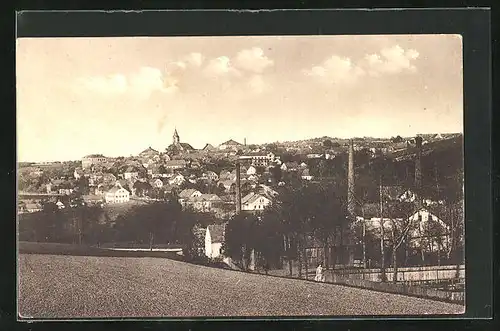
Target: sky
118, 96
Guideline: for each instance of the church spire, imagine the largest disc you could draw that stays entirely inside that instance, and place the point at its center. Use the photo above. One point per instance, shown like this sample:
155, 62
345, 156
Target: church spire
176, 137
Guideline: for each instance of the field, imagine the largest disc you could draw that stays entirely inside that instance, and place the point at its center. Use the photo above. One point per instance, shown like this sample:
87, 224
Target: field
65, 286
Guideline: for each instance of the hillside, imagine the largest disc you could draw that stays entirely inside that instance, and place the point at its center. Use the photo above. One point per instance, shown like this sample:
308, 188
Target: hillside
53, 286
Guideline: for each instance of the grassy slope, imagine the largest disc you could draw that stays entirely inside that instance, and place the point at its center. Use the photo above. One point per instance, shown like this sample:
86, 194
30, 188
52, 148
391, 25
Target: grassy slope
76, 286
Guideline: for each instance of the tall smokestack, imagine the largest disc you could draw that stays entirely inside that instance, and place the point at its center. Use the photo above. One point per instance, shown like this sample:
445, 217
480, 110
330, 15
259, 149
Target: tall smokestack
245, 141
238, 192
350, 182
418, 164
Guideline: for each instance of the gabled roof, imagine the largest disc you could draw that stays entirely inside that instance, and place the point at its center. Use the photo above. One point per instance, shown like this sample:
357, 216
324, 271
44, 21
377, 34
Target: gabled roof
175, 163
187, 146
208, 197
93, 156
208, 147
149, 151
305, 172
187, 193
252, 197
115, 189
217, 232
231, 142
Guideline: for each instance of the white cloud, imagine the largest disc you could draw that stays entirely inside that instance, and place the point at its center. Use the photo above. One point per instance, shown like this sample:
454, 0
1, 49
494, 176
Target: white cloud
335, 70
391, 60
257, 84
195, 59
139, 84
220, 66
253, 60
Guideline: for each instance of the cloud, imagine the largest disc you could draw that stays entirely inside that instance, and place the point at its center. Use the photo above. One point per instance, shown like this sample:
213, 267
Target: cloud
195, 59
257, 84
139, 84
253, 60
335, 70
391, 60
220, 66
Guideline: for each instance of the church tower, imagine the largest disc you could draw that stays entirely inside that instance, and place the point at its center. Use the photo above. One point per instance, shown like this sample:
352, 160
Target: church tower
176, 138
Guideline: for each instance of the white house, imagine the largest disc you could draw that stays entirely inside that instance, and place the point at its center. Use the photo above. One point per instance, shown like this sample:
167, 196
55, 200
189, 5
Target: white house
117, 195
254, 202
204, 202
60, 205
130, 174
306, 175
251, 170
175, 164
214, 237
188, 194
420, 222
158, 183
177, 180
212, 175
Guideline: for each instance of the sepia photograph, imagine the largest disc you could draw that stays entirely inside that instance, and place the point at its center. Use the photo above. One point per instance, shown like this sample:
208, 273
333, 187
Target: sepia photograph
230, 176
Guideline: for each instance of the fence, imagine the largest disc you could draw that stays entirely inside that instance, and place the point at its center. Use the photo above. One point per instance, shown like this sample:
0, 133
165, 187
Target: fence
411, 275
398, 288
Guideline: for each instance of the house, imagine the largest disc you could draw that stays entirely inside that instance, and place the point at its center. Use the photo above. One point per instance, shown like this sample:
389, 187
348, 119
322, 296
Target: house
314, 156
290, 166
251, 170
210, 175
108, 179
92, 199
188, 194
130, 173
178, 179
29, 207
209, 148
306, 175
421, 220
158, 183
78, 173
175, 164
60, 205
226, 184
149, 153
65, 191
230, 144
117, 195
254, 202
204, 202
260, 159
214, 238
92, 159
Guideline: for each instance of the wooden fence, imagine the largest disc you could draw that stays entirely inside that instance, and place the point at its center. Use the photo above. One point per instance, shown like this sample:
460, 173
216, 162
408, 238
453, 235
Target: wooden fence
411, 275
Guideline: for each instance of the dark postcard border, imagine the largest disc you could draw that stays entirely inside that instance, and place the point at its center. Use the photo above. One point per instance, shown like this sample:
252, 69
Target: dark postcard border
473, 25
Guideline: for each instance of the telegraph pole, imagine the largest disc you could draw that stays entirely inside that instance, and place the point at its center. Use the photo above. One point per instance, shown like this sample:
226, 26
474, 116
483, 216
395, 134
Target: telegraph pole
382, 232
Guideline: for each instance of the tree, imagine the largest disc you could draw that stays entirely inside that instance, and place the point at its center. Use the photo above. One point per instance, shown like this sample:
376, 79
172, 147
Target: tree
399, 215
327, 144
276, 173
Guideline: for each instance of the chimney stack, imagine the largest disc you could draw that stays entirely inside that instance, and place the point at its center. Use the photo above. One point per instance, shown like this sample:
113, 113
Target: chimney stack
244, 141
418, 164
350, 182
238, 193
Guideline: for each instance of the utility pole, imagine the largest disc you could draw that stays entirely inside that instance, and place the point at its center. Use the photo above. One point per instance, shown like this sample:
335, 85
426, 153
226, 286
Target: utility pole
382, 233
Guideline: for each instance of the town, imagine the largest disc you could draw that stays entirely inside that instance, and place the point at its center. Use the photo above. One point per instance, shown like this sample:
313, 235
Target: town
215, 203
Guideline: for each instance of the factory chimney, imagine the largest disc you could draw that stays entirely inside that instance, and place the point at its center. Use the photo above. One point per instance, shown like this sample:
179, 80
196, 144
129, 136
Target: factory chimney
351, 205
418, 166
238, 185
244, 141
